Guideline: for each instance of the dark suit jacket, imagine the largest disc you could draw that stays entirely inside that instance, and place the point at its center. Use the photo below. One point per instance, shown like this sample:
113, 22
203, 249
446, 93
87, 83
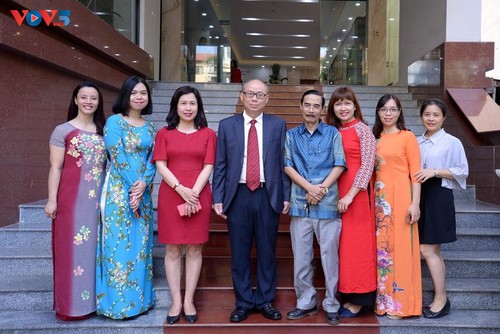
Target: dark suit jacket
229, 160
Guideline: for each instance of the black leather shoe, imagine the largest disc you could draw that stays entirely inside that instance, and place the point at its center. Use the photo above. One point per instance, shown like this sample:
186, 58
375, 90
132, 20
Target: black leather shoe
191, 318
239, 314
269, 312
333, 318
172, 319
434, 315
299, 313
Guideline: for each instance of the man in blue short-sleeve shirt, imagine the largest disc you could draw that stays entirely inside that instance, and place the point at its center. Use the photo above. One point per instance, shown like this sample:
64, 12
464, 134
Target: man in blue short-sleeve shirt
314, 159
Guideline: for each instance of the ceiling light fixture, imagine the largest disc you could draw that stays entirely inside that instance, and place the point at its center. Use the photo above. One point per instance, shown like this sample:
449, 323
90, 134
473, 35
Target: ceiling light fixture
284, 57
277, 35
278, 46
299, 1
263, 19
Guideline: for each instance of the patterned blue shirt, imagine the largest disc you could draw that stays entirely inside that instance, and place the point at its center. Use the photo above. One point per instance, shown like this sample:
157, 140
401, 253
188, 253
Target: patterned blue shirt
313, 156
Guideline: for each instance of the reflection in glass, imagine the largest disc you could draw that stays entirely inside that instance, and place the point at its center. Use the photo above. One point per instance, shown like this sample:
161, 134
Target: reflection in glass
121, 14
427, 70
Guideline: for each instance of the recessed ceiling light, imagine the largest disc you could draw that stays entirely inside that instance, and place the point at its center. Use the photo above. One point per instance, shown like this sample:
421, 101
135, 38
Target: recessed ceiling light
299, 1
277, 35
210, 26
278, 46
276, 56
203, 14
276, 20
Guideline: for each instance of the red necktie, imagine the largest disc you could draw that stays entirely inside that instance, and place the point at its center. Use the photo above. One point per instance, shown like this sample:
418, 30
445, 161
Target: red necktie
253, 168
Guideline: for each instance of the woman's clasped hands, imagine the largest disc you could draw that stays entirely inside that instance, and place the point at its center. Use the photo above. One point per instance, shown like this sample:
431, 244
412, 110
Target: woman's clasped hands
191, 198
136, 194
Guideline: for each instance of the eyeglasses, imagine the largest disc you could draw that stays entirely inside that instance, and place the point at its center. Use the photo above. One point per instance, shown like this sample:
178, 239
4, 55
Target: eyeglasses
308, 106
390, 110
250, 95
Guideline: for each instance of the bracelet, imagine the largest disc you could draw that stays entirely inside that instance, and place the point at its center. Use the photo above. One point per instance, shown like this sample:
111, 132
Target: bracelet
435, 172
176, 185
326, 189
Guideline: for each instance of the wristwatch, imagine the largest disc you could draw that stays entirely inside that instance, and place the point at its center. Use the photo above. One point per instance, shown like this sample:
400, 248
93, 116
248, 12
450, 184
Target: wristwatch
176, 185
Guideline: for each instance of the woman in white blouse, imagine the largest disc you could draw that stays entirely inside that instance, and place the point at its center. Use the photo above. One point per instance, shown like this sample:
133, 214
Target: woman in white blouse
444, 167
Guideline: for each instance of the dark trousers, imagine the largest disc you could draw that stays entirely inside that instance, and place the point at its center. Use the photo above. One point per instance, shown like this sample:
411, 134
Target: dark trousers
251, 217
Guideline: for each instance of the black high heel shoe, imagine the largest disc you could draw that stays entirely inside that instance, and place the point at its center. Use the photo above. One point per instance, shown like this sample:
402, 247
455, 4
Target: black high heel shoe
172, 319
434, 315
191, 318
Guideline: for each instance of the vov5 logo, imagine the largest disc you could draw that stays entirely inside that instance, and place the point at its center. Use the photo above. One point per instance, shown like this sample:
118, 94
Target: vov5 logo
54, 17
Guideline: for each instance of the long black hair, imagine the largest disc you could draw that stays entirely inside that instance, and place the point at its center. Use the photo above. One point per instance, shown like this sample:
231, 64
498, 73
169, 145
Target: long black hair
378, 127
122, 103
341, 94
173, 119
98, 117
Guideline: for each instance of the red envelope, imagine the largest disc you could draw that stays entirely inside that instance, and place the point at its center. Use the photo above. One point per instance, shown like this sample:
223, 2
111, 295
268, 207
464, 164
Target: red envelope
182, 209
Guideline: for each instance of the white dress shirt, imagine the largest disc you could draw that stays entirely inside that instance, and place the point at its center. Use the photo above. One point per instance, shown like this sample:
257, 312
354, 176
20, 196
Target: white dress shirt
444, 151
258, 127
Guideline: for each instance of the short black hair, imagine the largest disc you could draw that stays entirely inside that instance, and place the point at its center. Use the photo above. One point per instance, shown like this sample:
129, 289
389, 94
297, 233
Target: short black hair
122, 103
313, 92
436, 102
173, 119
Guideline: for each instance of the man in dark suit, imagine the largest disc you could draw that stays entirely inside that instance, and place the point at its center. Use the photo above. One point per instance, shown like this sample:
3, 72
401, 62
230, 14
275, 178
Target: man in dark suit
250, 190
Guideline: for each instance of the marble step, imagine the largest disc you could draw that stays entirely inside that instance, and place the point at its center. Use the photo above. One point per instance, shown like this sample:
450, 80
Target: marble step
39, 236
35, 293
38, 261
159, 86
469, 212
215, 321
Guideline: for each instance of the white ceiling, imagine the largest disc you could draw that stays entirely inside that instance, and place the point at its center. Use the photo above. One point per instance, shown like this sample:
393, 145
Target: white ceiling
278, 20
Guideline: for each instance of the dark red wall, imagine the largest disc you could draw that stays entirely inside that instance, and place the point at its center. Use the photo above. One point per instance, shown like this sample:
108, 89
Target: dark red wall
40, 66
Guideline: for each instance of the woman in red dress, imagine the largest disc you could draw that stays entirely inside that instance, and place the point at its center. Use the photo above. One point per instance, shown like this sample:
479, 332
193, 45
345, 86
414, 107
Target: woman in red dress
184, 154
357, 250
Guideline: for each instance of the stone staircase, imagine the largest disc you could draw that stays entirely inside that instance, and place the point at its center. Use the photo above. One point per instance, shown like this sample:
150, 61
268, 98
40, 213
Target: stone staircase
473, 262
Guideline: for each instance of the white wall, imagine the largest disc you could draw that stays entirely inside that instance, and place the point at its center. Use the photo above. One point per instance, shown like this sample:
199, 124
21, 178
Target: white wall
490, 32
149, 28
422, 29
463, 21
